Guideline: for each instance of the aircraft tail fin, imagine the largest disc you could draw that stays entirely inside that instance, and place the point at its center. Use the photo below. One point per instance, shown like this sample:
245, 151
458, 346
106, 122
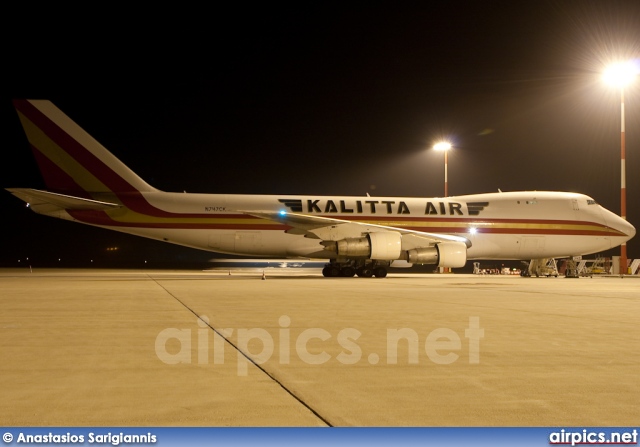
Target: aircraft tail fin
71, 161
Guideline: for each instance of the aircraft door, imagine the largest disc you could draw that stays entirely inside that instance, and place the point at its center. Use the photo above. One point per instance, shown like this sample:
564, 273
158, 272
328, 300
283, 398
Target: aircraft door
532, 247
241, 242
575, 204
248, 242
223, 242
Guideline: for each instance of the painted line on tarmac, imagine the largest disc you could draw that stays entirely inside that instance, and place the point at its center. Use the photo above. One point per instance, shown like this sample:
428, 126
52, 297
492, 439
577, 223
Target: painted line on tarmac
273, 378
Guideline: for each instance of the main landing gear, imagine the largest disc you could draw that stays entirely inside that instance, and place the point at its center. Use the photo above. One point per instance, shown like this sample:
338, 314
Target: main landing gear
335, 270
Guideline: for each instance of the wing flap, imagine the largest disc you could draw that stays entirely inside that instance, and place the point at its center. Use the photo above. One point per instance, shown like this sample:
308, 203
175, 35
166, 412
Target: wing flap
330, 229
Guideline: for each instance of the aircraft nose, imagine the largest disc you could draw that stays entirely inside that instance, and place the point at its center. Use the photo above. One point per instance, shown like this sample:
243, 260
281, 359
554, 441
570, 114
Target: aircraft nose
627, 229
623, 226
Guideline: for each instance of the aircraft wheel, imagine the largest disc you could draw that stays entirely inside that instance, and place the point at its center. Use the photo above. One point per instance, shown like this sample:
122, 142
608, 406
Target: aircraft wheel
380, 272
330, 271
365, 272
347, 272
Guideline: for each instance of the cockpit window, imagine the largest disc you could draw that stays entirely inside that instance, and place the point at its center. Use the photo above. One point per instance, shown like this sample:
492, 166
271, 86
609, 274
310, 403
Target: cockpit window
591, 202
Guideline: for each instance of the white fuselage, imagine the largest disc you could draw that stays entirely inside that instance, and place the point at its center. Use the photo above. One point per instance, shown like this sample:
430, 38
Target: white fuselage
510, 225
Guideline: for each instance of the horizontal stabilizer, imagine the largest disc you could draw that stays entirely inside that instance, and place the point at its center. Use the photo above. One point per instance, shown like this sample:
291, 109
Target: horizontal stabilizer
37, 199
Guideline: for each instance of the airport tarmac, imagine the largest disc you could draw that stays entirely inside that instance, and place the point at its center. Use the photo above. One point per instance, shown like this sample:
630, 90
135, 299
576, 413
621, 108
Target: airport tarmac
131, 348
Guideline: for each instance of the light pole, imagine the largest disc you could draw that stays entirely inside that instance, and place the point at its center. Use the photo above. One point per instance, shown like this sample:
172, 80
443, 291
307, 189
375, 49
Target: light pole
619, 75
445, 147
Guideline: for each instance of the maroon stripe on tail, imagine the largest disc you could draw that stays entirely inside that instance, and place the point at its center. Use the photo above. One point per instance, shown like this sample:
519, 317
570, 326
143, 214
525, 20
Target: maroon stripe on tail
129, 196
55, 178
86, 159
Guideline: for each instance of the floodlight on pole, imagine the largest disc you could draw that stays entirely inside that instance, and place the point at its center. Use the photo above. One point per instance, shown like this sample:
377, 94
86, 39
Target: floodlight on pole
620, 75
445, 147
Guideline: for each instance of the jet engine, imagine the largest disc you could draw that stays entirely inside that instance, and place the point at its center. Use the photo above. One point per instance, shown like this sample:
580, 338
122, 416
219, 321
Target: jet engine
444, 254
384, 245
387, 246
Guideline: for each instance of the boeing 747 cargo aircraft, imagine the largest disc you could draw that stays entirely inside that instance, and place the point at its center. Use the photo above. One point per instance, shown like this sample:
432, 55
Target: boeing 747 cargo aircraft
356, 235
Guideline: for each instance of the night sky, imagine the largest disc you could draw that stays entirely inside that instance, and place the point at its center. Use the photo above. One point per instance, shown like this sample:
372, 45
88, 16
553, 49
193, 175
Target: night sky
324, 99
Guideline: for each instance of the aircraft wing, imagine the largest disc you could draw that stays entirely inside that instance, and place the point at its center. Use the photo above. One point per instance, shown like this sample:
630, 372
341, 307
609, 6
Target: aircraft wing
329, 229
44, 201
